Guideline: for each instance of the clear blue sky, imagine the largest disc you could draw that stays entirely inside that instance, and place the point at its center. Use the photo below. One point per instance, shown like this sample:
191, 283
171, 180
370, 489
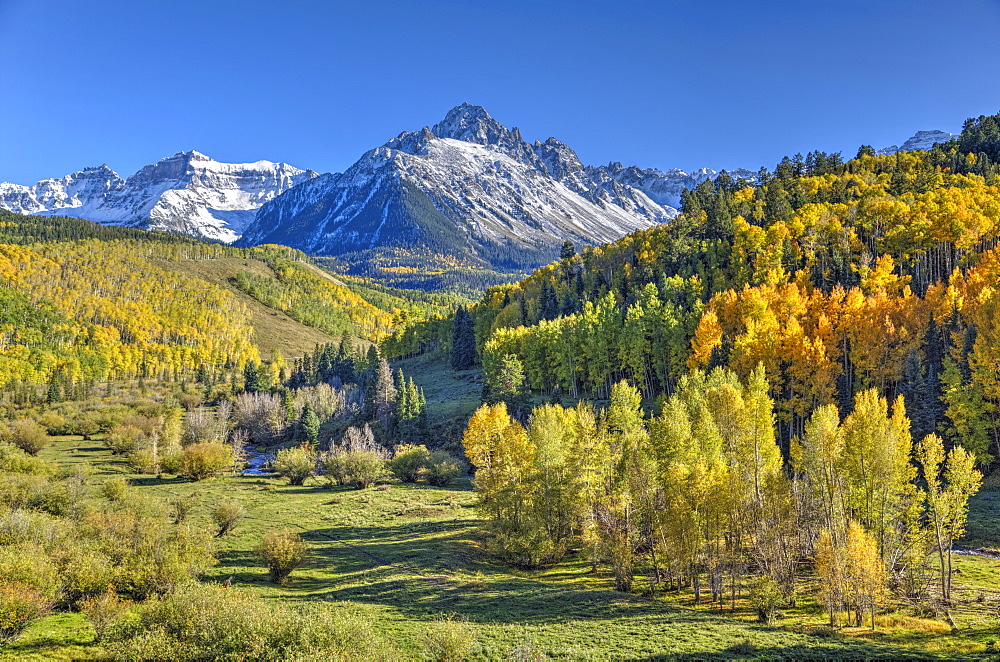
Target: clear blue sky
316, 83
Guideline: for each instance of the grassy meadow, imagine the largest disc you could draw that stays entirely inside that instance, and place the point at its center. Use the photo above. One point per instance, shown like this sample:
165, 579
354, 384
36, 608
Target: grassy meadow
406, 554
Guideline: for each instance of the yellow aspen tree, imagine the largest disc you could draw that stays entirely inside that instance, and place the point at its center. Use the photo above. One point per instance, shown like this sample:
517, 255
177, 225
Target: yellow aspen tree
866, 579
948, 486
829, 560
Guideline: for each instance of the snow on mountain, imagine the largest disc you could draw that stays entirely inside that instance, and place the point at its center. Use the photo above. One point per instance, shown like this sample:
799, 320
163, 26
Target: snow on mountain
920, 140
469, 186
188, 193
81, 190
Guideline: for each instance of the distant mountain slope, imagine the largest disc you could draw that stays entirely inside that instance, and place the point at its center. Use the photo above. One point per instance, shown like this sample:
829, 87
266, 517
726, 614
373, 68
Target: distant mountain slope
468, 187
188, 193
919, 140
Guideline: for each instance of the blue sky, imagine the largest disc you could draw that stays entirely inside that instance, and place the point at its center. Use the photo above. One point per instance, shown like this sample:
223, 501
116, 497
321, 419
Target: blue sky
316, 83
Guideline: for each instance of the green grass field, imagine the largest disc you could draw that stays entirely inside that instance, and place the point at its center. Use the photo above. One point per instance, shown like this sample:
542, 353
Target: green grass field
406, 554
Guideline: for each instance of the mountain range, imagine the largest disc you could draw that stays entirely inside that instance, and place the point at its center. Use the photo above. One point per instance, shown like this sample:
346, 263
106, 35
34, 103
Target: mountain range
467, 187
188, 193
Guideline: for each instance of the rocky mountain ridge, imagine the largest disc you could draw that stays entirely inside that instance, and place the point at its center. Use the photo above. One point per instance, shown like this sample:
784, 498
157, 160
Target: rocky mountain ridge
470, 186
188, 193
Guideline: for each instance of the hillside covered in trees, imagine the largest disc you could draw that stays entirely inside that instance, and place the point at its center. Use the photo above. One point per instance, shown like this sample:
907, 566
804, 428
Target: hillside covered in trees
835, 276
84, 303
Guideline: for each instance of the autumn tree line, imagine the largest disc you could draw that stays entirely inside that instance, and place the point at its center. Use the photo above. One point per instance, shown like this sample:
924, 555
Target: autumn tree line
839, 277
698, 495
84, 303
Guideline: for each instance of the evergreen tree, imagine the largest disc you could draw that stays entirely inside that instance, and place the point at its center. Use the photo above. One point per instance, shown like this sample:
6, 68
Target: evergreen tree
549, 302
309, 424
251, 377
383, 396
463, 340
568, 251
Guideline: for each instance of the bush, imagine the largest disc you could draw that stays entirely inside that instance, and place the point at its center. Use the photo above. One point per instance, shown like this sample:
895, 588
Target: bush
35, 493
115, 489
408, 462
20, 605
124, 439
86, 571
282, 552
447, 639
143, 462
443, 469
18, 527
181, 507
765, 597
84, 424
16, 461
199, 621
205, 425
360, 468
295, 464
29, 436
53, 422
103, 610
226, 516
148, 555
28, 564
171, 463
205, 459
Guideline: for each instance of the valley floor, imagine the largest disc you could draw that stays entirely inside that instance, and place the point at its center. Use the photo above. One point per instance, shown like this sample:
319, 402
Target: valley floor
405, 554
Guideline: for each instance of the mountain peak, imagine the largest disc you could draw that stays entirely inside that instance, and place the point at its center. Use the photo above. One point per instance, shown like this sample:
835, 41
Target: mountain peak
190, 155
920, 140
473, 124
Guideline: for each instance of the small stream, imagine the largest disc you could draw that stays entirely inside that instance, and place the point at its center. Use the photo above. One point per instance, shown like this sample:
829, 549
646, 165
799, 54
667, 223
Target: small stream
258, 463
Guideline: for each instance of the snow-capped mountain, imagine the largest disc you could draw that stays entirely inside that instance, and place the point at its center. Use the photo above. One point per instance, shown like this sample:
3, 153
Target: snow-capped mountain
469, 186
920, 140
188, 193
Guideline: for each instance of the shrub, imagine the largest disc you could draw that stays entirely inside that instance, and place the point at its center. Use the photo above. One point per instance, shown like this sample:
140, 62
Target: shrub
16, 461
84, 424
124, 439
103, 610
86, 571
18, 527
447, 639
226, 516
205, 459
29, 436
28, 564
190, 400
360, 467
282, 552
34, 492
171, 462
115, 489
408, 462
149, 555
144, 462
765, 597
53, 422
181, 507
204, 425
199, 621
20, 605
443, 468
296, 464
